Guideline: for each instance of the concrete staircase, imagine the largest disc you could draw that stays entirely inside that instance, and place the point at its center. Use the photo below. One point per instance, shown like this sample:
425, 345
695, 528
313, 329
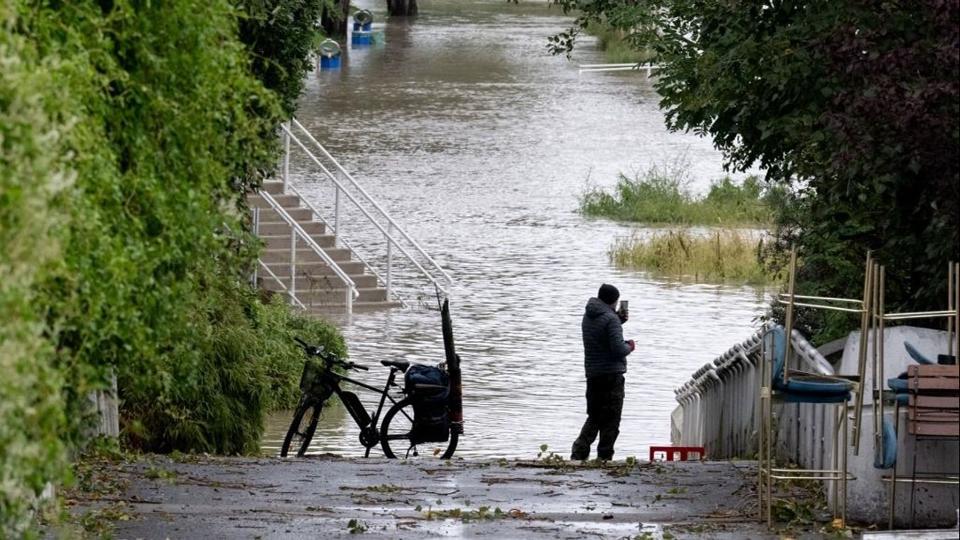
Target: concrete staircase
317, 285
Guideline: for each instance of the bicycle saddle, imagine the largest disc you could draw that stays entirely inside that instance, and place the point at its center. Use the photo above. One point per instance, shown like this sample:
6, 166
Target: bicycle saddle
402, 365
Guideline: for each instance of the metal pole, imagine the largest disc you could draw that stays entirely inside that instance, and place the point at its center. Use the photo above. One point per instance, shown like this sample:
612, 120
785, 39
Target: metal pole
843, 448
256, 231
293, 265
880, 382
336, 212
789, 317
956, 308
389, 259
349, 300
862, 355
892, 490
950, 307
874, 353
835, 462
286, 157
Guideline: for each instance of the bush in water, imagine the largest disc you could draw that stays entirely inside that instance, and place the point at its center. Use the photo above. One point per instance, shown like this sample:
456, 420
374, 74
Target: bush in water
728, 256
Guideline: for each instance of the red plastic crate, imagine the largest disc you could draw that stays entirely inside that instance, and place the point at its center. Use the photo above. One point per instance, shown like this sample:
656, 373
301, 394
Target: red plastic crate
684, 452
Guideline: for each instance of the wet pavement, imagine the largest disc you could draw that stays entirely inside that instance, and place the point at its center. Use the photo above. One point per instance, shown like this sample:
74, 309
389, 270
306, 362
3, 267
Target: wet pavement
332, 497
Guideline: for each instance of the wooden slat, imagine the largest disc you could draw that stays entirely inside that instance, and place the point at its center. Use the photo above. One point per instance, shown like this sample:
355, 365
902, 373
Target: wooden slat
933, 371
919, 384
934, 415
945, 429
939, 402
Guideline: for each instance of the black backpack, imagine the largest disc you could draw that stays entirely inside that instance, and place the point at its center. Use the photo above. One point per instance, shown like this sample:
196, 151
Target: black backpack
429, 388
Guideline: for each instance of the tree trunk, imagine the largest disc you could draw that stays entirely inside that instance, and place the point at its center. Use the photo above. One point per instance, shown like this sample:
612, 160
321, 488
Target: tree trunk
402, 8
335, 24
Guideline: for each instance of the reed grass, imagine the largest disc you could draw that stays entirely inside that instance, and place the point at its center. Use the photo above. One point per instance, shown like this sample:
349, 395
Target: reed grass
661, 196
615, 46
716, 256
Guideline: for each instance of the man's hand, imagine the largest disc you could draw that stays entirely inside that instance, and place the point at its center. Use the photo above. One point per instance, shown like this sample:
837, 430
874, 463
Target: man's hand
631, 344
624, 316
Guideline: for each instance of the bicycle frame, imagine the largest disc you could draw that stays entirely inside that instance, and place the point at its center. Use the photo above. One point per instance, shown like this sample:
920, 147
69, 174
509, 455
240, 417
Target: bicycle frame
384, 396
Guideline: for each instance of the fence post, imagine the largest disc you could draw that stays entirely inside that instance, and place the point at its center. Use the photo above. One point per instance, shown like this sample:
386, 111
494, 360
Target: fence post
293, 266
389, 259
256, 231
336, 214
286, 156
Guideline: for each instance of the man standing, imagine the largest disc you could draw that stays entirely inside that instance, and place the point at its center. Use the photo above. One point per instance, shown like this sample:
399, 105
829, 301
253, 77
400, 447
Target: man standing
605, 360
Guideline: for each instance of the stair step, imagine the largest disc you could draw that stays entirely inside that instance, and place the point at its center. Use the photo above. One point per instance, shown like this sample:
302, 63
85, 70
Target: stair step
286, 201
282, 241
273, 187
323, 293
313, 228
300, 215
281, 269
358, 307
271, 255
362, 281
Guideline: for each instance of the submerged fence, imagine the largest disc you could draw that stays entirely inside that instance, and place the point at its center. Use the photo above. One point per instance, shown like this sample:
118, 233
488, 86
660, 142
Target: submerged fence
719, 407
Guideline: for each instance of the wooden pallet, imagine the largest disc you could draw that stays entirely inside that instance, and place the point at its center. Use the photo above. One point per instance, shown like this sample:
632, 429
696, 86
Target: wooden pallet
934, 406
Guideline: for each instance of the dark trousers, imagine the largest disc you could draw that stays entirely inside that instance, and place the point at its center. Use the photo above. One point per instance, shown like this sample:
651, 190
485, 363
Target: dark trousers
604, 405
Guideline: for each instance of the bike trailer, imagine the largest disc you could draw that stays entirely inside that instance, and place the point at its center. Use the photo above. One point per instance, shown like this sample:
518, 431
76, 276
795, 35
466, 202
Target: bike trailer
429, 388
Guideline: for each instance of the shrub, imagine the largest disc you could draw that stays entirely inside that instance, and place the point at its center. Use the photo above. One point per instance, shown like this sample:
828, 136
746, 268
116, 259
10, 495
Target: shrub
728, 256
31, 174
661, 196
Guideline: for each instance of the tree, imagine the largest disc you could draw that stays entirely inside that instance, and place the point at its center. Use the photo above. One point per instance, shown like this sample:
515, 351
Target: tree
280, 35
853, 103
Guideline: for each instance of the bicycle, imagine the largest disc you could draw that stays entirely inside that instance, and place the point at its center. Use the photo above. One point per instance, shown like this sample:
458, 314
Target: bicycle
398, 422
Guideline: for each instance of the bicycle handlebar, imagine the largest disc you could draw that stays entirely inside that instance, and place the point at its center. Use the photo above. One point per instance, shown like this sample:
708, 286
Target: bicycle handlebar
330, 357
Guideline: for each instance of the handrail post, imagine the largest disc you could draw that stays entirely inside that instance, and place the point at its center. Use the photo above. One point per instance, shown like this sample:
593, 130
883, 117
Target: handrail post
336, 212
256, 231
389, 258
293, 265
286, 158
349, 300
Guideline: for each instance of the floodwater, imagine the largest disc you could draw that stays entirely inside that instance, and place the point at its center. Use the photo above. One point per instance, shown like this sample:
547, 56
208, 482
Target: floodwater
479, 143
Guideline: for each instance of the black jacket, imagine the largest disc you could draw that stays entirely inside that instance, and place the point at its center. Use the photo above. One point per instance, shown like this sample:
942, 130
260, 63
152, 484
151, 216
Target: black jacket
604, 350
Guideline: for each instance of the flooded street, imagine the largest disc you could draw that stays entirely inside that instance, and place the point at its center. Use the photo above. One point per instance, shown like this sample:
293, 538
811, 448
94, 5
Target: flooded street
479, 143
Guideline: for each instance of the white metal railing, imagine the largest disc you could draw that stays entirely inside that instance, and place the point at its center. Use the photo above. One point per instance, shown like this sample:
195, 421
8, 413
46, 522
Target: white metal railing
293, 299
298, 234
288, 187
394, 235
635, 66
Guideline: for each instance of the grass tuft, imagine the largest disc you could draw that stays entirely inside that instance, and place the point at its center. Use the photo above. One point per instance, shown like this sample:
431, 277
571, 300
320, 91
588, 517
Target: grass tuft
615, 45
727, 256
661, 196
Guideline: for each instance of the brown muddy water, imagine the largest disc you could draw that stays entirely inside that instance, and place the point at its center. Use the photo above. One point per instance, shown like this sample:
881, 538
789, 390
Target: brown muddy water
479, 142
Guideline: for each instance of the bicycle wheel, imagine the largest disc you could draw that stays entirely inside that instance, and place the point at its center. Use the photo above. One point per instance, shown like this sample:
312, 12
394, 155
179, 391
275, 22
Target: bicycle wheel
303, 426
395, 434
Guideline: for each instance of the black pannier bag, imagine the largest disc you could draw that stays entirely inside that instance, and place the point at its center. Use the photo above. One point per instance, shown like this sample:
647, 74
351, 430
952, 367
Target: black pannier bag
429, 387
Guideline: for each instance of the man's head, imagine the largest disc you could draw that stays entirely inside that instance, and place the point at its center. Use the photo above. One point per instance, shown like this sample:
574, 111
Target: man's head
608, 294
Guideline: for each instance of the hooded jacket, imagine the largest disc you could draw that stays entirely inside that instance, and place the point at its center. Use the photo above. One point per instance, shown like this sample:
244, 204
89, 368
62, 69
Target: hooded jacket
604, 350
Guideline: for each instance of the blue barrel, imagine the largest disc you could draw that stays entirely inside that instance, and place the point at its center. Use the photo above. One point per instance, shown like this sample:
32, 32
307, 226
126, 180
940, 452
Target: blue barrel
363, 21
329, 51
329, 62
362, 38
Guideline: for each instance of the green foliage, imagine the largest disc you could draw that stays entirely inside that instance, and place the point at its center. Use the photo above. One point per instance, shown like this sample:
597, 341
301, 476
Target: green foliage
31, 413
129, 134
660, 196
616, 49
280, 36
282, 358
728, 256
855, 103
